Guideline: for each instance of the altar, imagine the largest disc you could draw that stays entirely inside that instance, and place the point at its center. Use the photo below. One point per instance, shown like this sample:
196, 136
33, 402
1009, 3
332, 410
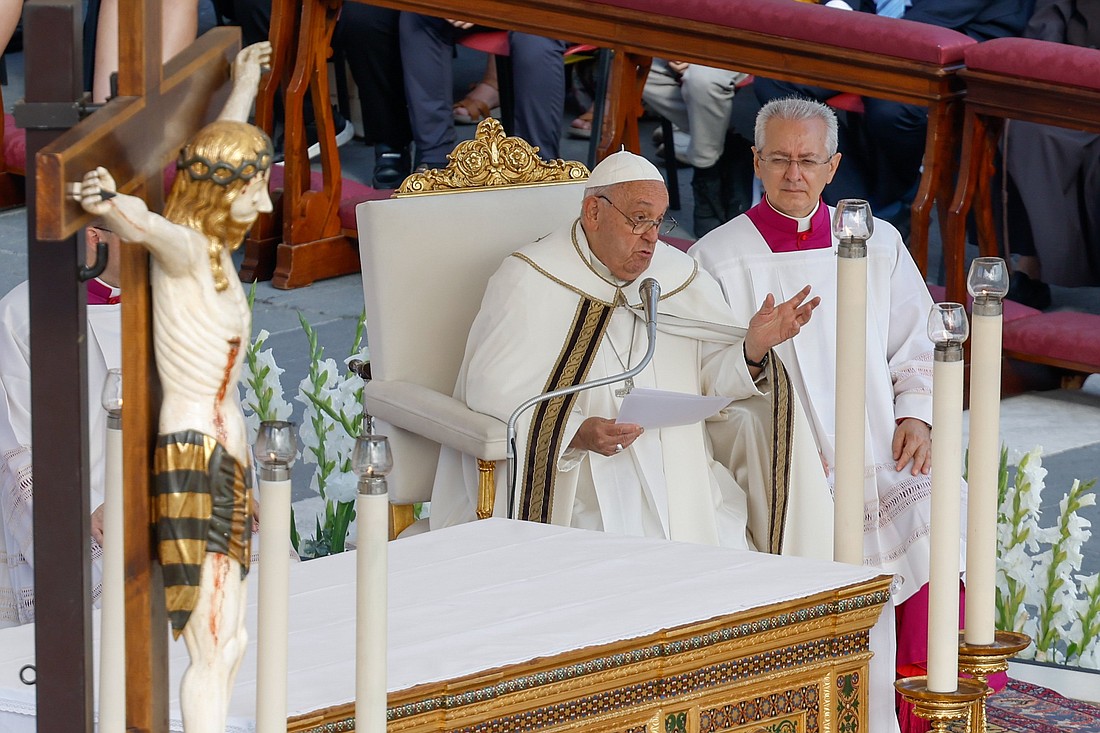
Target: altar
511, 626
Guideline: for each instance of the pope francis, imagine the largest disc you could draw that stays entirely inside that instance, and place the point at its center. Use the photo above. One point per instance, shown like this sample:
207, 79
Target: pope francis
565, 310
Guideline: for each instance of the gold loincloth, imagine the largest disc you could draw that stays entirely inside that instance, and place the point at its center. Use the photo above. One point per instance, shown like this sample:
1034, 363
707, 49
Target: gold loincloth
203, 503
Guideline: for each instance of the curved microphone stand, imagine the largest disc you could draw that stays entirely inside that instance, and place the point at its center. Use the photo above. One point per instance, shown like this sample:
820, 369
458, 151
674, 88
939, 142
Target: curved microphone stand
650, 291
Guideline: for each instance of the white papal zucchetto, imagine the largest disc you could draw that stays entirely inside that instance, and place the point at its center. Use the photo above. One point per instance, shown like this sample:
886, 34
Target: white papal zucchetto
623, 167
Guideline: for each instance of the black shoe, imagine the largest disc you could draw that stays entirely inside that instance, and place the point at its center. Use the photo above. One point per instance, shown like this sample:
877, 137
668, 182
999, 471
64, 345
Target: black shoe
1023, 289
391, 166
345, 131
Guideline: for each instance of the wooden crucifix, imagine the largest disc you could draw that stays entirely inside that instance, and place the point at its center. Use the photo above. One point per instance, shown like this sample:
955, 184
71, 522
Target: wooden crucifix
135, 135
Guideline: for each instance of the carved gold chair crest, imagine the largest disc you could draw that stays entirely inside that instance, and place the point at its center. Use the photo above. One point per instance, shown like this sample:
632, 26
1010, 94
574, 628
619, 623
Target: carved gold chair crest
427, 255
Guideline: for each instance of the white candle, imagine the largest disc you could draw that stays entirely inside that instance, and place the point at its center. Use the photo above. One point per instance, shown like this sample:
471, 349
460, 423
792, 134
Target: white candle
984, 463
370, 618
274, 593
943, 599
112, 619
851, 408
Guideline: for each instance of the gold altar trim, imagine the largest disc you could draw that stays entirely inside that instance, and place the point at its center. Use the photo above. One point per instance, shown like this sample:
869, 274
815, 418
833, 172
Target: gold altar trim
802, 660
492, 160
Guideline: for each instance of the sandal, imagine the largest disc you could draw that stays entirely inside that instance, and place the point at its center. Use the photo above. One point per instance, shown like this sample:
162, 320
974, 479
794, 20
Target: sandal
581, 127
472, 110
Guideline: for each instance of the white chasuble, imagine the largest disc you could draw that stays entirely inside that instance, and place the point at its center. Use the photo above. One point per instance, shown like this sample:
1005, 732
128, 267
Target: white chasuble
549, 319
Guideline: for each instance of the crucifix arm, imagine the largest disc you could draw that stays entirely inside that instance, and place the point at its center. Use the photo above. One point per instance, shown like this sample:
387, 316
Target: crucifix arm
129, 217
247, 68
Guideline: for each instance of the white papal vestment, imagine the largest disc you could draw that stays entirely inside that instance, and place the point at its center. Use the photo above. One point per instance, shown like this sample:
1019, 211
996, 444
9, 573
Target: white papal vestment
16, 482
552, 315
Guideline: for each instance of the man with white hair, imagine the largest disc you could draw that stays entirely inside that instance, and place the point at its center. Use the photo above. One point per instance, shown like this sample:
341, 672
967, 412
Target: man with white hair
785, 242
566, 309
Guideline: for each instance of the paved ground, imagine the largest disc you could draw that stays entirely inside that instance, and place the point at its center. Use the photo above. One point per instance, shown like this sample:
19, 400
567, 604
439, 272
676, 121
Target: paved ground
1065, 423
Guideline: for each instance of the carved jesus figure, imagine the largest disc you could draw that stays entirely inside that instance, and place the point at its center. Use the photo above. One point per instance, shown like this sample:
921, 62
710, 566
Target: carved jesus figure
201, 327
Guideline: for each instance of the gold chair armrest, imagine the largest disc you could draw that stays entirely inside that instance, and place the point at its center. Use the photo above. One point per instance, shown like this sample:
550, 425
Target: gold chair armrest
402, 516
486, 488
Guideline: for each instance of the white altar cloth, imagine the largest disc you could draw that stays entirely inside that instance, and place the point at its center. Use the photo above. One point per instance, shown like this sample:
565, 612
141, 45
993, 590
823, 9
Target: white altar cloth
480, 596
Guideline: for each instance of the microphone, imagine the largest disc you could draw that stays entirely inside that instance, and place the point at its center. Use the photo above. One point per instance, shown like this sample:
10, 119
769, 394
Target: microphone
650, 291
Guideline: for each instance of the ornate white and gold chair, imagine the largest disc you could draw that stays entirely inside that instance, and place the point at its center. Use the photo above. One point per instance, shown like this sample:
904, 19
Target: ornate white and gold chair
427, 255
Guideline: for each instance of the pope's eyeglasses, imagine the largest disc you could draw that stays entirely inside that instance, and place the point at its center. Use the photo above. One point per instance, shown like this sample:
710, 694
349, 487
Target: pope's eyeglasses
640, 226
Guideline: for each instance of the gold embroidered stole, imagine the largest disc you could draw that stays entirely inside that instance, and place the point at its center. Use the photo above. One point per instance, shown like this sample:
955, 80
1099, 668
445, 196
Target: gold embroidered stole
783, 424
544, 440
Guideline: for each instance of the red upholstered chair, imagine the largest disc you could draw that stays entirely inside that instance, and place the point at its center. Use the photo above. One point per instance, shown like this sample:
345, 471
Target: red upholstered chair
1037, 81
1021, 79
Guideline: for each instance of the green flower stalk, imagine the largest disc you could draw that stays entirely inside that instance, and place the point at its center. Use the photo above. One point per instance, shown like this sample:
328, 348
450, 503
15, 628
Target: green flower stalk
1059, 592
332, 418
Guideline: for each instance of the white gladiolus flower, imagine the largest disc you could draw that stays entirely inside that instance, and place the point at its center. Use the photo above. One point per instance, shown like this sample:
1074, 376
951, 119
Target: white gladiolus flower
1038, 589
332, 411
342, 487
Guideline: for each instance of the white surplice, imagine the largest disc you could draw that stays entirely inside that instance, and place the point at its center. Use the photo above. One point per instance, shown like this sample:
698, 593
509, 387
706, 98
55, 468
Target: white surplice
897, 509
666, 484
16, 480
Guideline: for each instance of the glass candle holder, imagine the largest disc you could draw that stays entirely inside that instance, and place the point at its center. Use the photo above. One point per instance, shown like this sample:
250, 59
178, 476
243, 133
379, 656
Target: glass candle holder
275, 449
948, 327
371, 460
372, 457
853, 220
111, 398
988, 285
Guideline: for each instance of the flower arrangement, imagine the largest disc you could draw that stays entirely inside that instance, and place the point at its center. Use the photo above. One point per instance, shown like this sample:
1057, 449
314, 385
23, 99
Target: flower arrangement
332, 416
1040, 589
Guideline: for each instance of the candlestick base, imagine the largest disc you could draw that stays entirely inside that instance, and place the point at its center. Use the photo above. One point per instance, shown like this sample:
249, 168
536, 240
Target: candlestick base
941, 708
982, 660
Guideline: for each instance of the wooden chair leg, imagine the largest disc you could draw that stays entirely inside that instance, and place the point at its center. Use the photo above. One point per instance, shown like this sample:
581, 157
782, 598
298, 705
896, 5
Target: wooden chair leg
265, 235
941, 147
628, 73
313, 245
970, 167
988, 246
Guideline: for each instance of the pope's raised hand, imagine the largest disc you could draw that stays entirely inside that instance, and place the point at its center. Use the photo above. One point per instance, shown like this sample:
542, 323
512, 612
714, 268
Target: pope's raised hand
773, 324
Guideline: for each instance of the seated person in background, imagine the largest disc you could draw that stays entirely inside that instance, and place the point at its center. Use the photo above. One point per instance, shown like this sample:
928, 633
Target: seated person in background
483, 99
884, 147
16, 480
565, 310
427, 48
368, 37
179, 24
780, 245
1054, 222
10, 12
699, 100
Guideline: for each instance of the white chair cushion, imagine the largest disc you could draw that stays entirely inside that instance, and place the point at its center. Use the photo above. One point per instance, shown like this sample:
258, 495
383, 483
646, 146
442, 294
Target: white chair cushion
426, 260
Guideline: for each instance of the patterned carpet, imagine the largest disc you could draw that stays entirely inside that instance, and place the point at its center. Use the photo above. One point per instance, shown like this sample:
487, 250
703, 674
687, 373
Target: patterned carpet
1025, 708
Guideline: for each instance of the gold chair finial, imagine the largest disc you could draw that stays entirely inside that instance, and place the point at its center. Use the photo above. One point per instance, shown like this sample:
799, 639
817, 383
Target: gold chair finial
492, 160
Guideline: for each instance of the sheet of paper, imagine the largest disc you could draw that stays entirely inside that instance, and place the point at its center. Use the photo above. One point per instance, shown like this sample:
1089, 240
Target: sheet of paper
656, 408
